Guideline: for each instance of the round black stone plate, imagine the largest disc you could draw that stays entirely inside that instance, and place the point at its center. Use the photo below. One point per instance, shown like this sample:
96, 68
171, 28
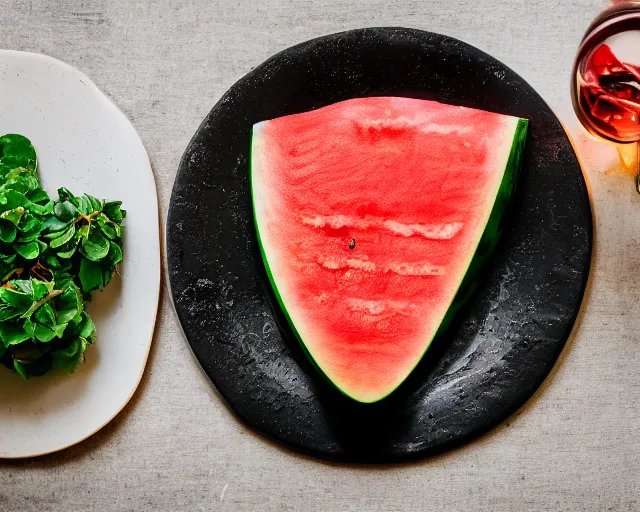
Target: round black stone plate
505, 342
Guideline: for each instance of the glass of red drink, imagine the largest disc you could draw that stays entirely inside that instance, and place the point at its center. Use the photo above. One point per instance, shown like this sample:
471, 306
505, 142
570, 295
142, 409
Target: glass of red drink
606, 77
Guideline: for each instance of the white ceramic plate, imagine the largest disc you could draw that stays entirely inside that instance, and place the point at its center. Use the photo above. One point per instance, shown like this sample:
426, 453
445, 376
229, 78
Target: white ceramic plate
86, 144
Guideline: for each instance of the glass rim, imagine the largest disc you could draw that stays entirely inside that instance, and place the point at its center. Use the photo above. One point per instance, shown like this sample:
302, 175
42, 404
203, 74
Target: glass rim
610, 22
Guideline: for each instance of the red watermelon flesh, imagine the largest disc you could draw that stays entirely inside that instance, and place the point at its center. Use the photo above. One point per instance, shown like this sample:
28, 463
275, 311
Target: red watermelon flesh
369, 213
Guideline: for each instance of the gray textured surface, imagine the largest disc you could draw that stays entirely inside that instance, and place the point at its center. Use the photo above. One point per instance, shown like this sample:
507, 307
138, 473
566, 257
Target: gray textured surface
176, 446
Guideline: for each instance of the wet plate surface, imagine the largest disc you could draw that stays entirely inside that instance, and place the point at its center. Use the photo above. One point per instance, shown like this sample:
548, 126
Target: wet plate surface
505, 342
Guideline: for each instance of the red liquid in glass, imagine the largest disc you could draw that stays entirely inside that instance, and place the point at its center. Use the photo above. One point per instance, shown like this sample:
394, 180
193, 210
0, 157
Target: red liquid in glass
609, 95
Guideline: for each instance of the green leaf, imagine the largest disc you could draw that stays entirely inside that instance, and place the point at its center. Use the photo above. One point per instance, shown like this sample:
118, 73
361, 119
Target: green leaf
12, 334
60, 328
63, 273
29, 236
41, 288
19, 368
17, 151
107, 229
45, 315
69, 304
50, 260
90, 275
62, 282
23, 285
83, 231
84, 205
68, 315
16, 299
88, 329
38, 195
8, 259
37, 366
107, 275
38, 304
13, 199
19, 179
113, 211
30, 328
115, 254
28, 251
65, 211
29, 222
13, 215
44, 209
65, 195
8, 231
8, 312
94, 247
96, 204
53, 224
68, 254
66, 235
44, 334
71, 349
70, 357
56, 234
5, 256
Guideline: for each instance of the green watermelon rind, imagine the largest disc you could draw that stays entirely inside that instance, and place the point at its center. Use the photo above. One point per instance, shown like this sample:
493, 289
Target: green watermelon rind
492, 231
473, 276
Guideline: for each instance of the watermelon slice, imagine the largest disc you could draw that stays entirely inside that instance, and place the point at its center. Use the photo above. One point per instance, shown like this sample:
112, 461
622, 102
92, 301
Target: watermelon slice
374, 217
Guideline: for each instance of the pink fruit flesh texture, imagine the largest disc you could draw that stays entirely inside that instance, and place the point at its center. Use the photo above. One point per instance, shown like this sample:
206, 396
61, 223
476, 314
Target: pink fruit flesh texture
369, 212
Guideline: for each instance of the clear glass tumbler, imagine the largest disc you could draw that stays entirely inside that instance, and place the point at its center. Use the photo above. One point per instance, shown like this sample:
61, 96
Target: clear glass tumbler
605, 87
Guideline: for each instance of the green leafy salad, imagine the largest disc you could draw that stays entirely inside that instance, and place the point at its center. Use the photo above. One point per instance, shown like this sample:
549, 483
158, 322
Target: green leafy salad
54, 253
